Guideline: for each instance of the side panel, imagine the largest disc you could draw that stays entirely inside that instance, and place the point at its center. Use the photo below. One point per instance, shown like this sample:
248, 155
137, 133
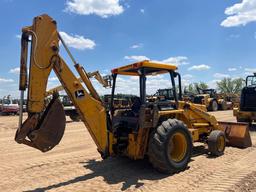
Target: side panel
138, 142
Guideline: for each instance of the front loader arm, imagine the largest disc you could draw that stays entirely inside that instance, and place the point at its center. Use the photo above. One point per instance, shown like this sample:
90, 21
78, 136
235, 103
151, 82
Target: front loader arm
44, 126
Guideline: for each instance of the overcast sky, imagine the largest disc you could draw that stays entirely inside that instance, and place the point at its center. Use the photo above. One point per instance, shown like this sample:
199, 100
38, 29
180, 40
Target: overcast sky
207, 39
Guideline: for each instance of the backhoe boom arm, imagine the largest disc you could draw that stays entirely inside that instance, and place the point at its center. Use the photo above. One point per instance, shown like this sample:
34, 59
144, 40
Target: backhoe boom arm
45, 58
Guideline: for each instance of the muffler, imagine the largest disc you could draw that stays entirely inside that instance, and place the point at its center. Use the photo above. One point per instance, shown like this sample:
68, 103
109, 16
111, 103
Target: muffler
237, 134
43, 131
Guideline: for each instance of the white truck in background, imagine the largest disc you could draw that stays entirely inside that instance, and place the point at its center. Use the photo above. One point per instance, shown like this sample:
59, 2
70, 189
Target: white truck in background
9, 106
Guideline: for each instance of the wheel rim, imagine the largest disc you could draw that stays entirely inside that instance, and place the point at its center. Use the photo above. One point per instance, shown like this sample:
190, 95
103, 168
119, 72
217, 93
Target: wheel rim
177, 147
221, 143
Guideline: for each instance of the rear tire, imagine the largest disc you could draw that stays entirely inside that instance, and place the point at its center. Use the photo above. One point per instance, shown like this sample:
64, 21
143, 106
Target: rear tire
223, 106
213, 105
216, 143
170, 147
75, 117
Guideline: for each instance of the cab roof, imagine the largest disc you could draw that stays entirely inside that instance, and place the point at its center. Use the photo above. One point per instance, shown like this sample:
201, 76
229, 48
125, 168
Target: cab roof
150, 67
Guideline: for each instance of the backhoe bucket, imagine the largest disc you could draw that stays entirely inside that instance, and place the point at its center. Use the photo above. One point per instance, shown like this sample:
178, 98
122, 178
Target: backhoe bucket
44, 133
237, 134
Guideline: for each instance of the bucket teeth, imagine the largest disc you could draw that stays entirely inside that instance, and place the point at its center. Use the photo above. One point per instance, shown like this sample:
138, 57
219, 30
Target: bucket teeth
48, 131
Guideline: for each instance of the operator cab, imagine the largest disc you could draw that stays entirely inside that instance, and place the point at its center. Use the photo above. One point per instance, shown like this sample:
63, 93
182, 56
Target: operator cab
128, 120
142, 70
211, 92
248, 94
251, 80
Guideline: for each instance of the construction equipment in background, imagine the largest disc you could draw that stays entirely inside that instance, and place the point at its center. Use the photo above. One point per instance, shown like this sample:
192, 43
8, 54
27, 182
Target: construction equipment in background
24, 105
9, 106
119, 101
69, 108
232, 99
161, 94
210, 99
246, 111
163, 131
105, 81
225, 101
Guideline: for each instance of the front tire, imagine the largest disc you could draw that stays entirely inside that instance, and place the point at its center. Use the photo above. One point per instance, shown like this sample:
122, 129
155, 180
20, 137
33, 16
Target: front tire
213, 106
216, 143
170, 147
75, 117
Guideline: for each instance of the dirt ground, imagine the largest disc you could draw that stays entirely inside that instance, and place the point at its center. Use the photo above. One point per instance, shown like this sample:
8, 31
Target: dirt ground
75, 165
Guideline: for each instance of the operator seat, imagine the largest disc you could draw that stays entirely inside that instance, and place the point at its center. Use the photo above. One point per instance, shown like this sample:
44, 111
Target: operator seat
127, 121
136, 103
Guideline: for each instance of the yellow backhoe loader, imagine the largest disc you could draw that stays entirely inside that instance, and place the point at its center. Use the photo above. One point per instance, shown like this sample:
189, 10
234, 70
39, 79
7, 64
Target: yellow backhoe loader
163, 131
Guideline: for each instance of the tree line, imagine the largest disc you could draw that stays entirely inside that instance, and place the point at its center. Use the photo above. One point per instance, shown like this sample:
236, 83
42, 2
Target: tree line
226, 85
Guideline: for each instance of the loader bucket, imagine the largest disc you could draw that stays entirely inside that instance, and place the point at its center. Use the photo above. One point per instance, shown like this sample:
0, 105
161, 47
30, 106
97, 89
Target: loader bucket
49, 128
237, 134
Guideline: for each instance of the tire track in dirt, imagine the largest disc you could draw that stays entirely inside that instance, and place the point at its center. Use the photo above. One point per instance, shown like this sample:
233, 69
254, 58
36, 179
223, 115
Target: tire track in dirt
207, 174
75, 165
247, 184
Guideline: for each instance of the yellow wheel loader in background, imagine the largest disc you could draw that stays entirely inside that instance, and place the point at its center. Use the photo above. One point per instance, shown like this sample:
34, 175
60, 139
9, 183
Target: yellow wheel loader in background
163, 131
246, 111
210, 99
